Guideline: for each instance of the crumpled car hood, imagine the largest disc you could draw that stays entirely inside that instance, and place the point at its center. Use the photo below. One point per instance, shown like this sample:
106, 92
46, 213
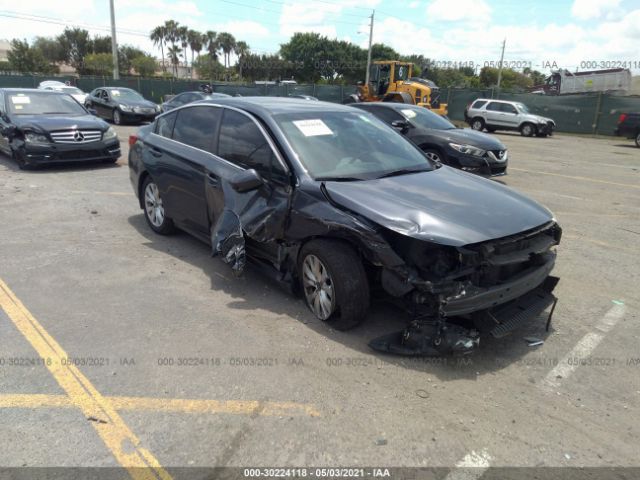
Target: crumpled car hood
445, 206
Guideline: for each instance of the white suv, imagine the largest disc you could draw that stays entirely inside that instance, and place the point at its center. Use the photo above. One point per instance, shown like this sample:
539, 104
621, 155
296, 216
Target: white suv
504, 115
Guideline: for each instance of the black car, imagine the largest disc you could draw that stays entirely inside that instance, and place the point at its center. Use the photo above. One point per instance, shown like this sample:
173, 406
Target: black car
121, 105
441, 140
333, 203
629, 126
43, 127
188, 97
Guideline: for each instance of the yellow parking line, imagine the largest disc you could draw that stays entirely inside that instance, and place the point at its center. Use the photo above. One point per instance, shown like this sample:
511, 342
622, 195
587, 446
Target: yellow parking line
116, 435
179, 405
595, 180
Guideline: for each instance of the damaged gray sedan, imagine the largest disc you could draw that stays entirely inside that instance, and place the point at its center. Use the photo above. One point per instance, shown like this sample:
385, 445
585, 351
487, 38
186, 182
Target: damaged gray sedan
336, 205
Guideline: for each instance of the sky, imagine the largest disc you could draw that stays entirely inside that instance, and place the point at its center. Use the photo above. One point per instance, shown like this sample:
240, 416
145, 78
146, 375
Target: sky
542, 34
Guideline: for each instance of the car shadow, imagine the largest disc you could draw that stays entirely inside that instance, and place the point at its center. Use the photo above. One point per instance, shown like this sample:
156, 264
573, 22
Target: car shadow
626, 145
254, 290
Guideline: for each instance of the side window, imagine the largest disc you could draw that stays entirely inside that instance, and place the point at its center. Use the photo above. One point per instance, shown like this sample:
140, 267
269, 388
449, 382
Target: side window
196, 127
494, 106
164, 124
478, 104
241, 142
507, 108
105, 95
2, 106
387, 115
418, 95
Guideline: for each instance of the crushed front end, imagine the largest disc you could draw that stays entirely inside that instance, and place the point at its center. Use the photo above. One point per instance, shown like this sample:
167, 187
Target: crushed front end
456, 293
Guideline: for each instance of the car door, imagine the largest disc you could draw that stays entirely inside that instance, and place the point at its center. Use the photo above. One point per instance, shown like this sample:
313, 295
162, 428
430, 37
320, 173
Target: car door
509, 115
108, 104
182, 148
262, 213
493, 114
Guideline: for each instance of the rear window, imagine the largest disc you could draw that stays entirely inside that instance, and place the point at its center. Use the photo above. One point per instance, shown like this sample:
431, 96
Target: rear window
479, 104
164, 124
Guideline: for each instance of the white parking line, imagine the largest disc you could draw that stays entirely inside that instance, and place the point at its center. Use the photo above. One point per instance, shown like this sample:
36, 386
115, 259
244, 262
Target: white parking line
471, 467
584, 347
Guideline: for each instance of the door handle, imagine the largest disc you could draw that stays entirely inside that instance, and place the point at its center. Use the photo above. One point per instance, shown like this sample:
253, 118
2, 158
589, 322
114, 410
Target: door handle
213, 180
155, 152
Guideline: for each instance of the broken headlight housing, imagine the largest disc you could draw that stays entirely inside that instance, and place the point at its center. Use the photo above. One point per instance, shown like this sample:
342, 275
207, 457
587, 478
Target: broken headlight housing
32, 137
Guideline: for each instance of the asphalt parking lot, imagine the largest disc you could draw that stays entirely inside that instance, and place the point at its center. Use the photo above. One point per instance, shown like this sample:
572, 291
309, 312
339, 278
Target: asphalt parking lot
161, 357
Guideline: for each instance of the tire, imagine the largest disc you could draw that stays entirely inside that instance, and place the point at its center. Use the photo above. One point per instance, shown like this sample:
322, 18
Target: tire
528, 130
116, 117
353, 98
335, 269
435, 155
638, 140
477, 124
154, 210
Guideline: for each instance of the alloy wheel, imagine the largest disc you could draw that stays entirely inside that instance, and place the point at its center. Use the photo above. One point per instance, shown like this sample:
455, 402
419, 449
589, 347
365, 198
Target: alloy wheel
433, 156
318, 287
153, 205
477, 125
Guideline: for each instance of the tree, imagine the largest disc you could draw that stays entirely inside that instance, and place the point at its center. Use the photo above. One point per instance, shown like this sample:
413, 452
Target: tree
159, 37
144, 65
101, 44
208, 68
227, 43
174, 53
241, 50
98, 63
195, 40
212, 44
310, 52
126, 53
76, 44
50, 48
23, 58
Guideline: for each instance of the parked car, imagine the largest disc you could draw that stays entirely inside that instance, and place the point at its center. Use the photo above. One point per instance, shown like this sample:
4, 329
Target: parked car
122, 105
629, 126
43, 127
441, 140
334, 203
55, 86
504, 115
305, 97
188, 97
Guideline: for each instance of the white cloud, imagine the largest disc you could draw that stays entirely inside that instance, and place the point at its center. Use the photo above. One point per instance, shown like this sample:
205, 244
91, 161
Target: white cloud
590, 9
458, 10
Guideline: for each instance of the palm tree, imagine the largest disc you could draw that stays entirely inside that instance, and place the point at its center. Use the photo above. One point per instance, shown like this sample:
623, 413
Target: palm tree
195, 44
174, 52
227, 43
159, 38
241, 50
212, 44
182, 33
171, 27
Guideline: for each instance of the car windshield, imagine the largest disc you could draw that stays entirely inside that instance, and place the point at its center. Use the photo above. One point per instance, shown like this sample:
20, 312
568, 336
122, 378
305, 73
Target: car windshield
349, 146
125, 94
422, 117
522, 107
35, 103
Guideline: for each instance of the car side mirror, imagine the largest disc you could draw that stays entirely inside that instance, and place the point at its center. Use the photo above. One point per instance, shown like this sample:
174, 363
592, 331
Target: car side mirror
92, 111
246, 181
401, 125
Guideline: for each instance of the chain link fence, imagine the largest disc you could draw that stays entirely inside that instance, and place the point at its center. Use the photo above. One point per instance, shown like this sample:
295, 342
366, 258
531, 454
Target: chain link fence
595, 113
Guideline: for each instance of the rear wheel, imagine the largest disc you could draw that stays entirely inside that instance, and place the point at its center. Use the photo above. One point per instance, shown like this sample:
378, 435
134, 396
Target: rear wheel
334, 283
527, 130
638, 140
154, 209
477, 124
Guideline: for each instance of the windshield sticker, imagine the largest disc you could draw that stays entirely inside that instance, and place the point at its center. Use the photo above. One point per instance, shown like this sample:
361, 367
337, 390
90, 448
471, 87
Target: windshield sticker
18, 107
312, 128
409, 113
20, 100
115, 93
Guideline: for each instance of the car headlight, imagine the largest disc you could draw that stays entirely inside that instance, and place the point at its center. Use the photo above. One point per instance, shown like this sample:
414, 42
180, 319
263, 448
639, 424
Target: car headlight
125, 108
35, 138
468, 149
109, 134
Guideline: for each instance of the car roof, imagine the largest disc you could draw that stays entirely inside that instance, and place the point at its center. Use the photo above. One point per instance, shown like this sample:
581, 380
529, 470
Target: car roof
276, 105
114, 88
31, 90
494, 100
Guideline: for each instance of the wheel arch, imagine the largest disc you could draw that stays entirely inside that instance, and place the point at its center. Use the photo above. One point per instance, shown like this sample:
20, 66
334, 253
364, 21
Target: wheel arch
141, 179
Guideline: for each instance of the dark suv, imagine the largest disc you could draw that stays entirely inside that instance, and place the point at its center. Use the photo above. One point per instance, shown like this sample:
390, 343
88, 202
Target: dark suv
629, 126
335, 204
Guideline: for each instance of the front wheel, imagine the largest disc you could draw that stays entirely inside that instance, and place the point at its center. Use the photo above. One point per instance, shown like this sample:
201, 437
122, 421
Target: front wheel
527, 130
638, 140
334, 283
117, 117
434, 155
477, 124
154, 209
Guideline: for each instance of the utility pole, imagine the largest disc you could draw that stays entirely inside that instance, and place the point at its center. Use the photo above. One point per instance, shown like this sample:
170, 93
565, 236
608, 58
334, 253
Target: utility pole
504, 42
114, 43
366, 78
